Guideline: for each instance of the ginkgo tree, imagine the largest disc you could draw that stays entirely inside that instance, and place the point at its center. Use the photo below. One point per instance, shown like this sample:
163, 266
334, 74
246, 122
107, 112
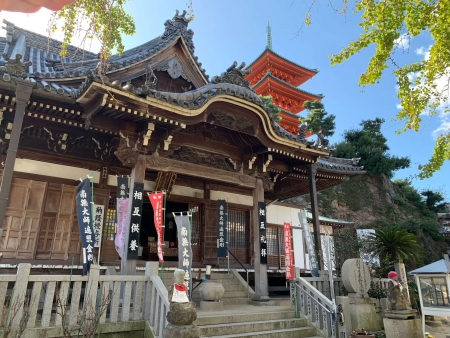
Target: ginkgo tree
423, 86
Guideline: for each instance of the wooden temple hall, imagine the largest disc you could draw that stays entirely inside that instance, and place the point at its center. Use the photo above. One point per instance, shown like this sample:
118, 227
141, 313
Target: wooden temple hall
154, 115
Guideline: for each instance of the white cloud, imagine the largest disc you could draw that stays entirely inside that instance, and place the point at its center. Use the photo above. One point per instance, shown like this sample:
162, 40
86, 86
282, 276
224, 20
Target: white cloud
423, 52
402, 41
38, 23
444, 126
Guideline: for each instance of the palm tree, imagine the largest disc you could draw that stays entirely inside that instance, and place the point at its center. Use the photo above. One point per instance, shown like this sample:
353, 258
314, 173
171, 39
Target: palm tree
396, 244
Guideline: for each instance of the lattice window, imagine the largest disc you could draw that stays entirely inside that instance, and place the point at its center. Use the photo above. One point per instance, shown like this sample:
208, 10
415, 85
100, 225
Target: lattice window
272, 241
195, 232
238, 229
110, 224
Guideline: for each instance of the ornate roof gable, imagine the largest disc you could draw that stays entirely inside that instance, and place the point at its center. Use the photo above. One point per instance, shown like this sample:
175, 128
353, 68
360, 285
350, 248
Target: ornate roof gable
178, 26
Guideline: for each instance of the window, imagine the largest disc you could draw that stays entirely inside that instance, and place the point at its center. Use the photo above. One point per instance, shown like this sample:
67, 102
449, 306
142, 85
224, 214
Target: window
238, 229
434, 291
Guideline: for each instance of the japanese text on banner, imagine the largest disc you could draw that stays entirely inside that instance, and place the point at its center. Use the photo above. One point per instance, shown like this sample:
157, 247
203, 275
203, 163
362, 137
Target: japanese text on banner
157, 200
288, 257
184, 249
83, 206
262, 232
222, 222
99, 211
135, 220
309, 243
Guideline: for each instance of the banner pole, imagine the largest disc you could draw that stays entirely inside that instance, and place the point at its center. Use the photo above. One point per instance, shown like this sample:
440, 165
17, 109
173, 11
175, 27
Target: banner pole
163, 230
228, 241
295, 274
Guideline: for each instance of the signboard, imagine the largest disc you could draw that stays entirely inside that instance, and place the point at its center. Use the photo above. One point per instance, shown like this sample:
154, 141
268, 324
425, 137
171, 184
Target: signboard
122, 187
122, 193
184, 249
222, 224
288, 256
84, 209
121, 226
309, 243
262, 232
157, 200
135, 221
99, 211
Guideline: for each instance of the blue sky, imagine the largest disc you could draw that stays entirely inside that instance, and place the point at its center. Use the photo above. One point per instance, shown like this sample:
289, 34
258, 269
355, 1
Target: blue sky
227, 31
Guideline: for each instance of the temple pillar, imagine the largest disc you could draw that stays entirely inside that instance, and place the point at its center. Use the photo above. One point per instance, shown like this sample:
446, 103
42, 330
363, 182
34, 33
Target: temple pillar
312, 170
261, 281
137, 176
23, 93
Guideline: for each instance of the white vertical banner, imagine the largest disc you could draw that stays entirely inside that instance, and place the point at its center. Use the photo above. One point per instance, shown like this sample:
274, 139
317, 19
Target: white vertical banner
309, 243
99, 214
299, 256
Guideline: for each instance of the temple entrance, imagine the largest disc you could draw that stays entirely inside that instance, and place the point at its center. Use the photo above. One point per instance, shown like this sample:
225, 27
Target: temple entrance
148, 237
238, 236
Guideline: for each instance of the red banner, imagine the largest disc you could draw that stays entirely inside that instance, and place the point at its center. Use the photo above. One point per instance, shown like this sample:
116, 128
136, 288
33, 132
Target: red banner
288, 257
157, 201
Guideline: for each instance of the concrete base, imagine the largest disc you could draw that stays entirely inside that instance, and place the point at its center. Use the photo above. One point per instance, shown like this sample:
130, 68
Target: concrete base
402, 328
363, 314
401, 314
211, 306
265, 303
181, 331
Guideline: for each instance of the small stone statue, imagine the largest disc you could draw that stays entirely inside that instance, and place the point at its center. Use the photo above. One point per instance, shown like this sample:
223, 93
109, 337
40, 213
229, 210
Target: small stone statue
178, 292
182, 313
398, 300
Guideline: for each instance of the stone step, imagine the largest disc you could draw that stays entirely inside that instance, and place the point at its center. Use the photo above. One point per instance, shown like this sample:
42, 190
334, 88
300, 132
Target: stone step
228, 301
227, 294
247, 317
287, 333
258, 326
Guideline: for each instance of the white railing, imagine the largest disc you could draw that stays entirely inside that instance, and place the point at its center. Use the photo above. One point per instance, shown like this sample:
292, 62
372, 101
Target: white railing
158, 306
315, 306
38, 301
323, 285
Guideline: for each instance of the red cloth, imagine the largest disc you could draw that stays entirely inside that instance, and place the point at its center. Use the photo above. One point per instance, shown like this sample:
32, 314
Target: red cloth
179, 287
392, 275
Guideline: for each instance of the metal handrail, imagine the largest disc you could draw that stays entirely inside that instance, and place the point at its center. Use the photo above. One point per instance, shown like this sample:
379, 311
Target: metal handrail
237, 260
313, 295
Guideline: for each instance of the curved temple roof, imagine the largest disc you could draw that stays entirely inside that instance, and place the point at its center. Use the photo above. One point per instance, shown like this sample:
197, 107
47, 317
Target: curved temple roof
55, 76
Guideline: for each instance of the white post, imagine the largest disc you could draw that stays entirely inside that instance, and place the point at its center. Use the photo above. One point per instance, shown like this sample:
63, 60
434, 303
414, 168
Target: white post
421, 302
20, 292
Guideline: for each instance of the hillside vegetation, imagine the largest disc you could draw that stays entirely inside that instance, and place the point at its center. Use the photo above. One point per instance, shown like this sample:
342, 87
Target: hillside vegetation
373, 201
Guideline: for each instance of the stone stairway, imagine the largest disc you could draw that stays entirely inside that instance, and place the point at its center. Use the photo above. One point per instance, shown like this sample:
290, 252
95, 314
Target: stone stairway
275, 324
235, 292
239, 319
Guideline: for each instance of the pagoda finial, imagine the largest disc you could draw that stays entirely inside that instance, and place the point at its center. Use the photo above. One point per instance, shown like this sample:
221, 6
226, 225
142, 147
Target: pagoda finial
269, 37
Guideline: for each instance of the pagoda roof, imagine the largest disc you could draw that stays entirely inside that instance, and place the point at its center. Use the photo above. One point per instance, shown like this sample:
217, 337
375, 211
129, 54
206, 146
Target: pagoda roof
301, 91
267, 50
47, 64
